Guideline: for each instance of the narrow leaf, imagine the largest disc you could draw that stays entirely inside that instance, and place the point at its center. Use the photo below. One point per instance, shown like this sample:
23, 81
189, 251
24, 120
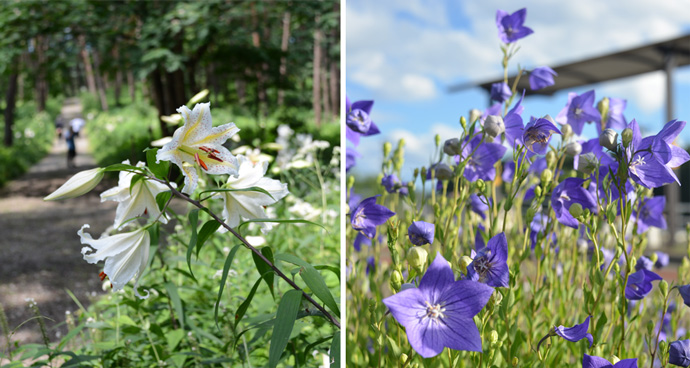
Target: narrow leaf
264, 269
313, 279
162, 198
206, 231
245, 304
285, 320
176, 302
250, 189
281, 221
193, 218
121, 167
335, 351
226, 269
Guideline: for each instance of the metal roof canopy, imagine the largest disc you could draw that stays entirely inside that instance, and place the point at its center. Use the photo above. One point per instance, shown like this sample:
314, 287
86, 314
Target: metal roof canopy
617, 65
666, 56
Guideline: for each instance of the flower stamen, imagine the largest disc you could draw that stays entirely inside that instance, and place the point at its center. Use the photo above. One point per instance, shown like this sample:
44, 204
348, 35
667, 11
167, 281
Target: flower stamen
200, 161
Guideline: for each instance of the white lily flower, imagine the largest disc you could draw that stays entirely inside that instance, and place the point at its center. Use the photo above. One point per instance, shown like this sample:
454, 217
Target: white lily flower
250, 204
125, 255
81, 183
134, 200
197, 142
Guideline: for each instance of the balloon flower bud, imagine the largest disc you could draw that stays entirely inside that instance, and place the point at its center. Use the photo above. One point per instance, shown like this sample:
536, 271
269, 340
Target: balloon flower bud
416, 257
573, 149
474, 115
567, 130
575, 210
627, 136
387, 147
396, 280
451, 147
494, 126
609, 139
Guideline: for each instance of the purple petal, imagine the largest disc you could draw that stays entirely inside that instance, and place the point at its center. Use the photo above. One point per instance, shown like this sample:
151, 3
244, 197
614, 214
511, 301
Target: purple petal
595, 362
576, 333
437, 277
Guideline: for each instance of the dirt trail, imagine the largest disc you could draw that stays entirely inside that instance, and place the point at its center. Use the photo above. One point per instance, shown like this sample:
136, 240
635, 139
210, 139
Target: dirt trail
39, 246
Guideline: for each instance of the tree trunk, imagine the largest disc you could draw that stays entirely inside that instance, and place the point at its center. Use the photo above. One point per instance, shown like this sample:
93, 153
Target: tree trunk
283, 59
158, 94
118, 75
90, 80
260, 83
316, 74
325, 91
131, 85
335, 72
41, 85
99, 81
10, 100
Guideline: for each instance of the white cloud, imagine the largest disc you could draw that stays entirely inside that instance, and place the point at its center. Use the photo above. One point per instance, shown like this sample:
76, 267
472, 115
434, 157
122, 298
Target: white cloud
647, 90
388, 40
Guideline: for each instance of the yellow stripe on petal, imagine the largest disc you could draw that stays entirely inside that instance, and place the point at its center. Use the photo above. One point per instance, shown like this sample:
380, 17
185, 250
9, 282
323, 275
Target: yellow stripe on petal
215, 136
195, 125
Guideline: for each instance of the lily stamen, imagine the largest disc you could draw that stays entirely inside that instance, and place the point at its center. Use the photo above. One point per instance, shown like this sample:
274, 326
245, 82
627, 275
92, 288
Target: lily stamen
200, 161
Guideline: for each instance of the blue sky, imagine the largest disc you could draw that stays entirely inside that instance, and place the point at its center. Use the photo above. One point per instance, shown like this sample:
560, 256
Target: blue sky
404, 54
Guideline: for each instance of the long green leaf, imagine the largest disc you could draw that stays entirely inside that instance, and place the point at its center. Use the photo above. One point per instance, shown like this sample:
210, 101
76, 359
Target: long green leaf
313, 279
206, 231
176, 302
335, 351
242, 309
226, 269
193, 218
160, 170
281, 221
250, 189
162, 198
264, 269
121, 167
285, 320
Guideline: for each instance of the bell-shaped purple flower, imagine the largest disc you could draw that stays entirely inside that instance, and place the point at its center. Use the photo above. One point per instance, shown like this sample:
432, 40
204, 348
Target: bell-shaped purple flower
500, 92
644, 263
568, 192
371, 264
615, 119
421, 233
391, 183
478, 205
367, 215
652, 159
651, 213
685, 293
640, 284
579, 110
510, 26
661, 259
514, 127
679, 353
597, 362
351, 156
575, 333
541, 77
358, 120
537, 135
360, 240
481, 158
490, 265
439, 313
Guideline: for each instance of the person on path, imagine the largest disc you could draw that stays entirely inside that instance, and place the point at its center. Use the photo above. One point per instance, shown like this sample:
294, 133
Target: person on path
71, 147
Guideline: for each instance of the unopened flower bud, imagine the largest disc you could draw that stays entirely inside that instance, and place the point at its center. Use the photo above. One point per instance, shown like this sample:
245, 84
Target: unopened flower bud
442, 171
396, 280
451, 147
464, 263
537, 191
495, 299
423, 173
474, 115
550, 158
79, 184
626, 137
387, 147
494, 126
567, 130
616, 267
654, 257
573, 149
438, 139
403, 358
603, 107
415, 174
662, 345
663, 286
615, 359
463, 123
493, 337
515, 361
416, 257
350, 182
575, 210
650, 327
609, 139
549, 118
546, 176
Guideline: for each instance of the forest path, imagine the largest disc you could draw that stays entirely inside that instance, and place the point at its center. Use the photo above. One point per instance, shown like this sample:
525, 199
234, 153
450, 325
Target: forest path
39, 247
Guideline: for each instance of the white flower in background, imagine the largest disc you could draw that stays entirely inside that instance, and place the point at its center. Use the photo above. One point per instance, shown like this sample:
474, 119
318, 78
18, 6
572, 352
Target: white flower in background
250, 204
254, 154
134, 200
256, 241
125, 255
81, 183
304, 210
197, 142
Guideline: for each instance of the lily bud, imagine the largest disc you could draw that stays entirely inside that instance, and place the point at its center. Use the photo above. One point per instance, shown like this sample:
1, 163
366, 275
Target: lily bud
567, 130
81, 183
627, 136
474, 115
416, 257
494, 126
575, 210
451, 147
573, 149
198, 98
609, 139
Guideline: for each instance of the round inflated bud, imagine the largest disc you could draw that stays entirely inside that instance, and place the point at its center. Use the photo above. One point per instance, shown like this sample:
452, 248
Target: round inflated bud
387, 148
416, 257
495, 299
481, 185
573, 149
474, 115
515, 361
493, 337
546, 176
654, 257
537, 191
396, 280
609, 139
442, 171
549, 118
451, 147
575, 210
463, 122
550, 158
626, 137
567, 130
403, 358
663, 286
494, 126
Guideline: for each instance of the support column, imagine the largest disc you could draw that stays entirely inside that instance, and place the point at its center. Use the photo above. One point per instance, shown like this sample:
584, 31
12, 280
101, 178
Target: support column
672, 190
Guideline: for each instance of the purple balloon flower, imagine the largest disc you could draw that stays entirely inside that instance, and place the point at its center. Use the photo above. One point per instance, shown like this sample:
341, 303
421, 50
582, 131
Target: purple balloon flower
510, 26
661, 259
640, 284
679, 353
500, 92
575, 333
644, 263
371, 264
579, 110
652, 159
568, 192
596, 158
651, 213
541, 77
596, 362
537, 135
350, 158
421, 233
615, 118
481, 158
359, 240
358, 122
439, 313
367, 215
490, 265
514, 128
391, 183
478, 205
685, 293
